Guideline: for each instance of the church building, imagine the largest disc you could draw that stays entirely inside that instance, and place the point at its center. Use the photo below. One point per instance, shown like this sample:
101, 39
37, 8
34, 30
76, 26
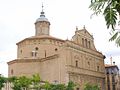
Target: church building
58, 60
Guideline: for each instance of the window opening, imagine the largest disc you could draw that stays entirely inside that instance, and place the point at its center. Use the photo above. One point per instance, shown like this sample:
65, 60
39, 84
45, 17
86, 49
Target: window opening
56, 49
36, 48
83, 41
98, 68
76, 63
12, 71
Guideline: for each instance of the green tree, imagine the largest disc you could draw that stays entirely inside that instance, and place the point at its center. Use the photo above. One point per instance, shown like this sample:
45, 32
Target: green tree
12, 79
16, 85
91, 87
96, 87
2, 81
20, 83
25, 82
58, 87
36, 82
111, 11
47, 86
70, 86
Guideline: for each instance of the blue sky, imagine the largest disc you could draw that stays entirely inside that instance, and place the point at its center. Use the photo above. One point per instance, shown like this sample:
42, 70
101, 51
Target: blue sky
17, 18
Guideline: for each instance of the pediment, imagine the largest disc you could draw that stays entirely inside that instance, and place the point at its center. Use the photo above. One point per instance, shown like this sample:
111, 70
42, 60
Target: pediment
84, 33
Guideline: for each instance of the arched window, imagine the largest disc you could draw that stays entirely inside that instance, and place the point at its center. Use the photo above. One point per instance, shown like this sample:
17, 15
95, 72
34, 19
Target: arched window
85, 42
11, 71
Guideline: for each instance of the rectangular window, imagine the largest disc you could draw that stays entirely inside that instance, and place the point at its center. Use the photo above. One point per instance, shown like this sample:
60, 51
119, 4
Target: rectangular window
33, 53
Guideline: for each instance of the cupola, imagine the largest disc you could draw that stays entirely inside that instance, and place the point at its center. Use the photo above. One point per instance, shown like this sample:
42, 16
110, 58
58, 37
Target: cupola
42, 25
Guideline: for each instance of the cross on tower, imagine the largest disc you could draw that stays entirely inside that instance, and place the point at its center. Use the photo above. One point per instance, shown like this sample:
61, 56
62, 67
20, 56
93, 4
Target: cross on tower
42, 7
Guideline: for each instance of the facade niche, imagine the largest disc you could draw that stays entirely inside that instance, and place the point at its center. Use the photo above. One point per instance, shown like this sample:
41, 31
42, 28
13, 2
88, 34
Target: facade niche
76, 63
89, 63
98, 68
11, 71
20, 51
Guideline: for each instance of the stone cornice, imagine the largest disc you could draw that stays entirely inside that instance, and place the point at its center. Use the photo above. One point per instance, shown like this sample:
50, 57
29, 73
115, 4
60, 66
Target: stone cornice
32, 60
85, 71
40, 37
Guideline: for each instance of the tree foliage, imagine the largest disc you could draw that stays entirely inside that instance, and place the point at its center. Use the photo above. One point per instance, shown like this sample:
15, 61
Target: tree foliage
34, 83
20, 83
2, 81
57, 87
91, 87
47, 86
70, 86
111, 11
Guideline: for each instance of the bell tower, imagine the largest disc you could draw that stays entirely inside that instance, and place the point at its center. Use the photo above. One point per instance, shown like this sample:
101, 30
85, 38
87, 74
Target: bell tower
42, 25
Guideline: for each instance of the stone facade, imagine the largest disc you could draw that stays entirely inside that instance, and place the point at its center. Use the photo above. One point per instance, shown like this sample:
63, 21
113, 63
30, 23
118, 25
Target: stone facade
112, 77
59, 60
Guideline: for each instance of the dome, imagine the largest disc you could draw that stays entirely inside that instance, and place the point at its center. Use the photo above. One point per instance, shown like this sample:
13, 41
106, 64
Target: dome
42, 18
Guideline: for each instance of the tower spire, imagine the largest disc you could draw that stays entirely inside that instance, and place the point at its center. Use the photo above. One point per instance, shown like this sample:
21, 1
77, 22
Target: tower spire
42, 6
42, 12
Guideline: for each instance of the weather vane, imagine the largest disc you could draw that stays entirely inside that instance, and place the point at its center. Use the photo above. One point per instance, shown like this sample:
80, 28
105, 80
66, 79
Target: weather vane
42, 6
